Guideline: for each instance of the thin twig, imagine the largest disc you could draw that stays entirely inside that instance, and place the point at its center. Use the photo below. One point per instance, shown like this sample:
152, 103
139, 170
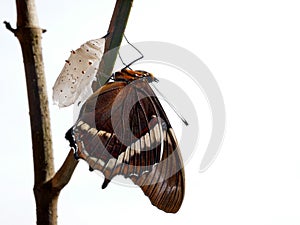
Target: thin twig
64, 174
8, 27
116, 31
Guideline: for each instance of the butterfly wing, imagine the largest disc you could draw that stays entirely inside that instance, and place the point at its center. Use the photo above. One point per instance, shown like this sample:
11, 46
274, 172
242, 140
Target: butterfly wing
123, 129
164, 185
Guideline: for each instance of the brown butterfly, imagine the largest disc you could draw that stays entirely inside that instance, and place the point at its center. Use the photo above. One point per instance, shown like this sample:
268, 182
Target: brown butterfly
122, 129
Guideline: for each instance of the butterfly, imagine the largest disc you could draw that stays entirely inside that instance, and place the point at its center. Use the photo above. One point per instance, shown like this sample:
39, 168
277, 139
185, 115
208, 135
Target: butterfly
75, 80
122, 129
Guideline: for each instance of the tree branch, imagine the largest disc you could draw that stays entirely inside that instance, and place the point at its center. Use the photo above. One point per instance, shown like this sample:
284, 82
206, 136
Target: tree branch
64, 174
48, 185
29, 35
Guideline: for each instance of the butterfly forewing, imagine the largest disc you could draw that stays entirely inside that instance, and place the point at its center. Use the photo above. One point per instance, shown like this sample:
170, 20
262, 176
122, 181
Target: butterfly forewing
123, 129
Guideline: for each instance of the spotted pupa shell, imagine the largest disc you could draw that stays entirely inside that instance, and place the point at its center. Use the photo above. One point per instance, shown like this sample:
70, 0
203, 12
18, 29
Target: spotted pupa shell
75, 79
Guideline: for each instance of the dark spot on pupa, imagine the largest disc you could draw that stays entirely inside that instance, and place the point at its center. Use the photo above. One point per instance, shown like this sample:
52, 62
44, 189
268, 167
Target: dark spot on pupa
90, 63
87, 50
73, 52
79, 60
61, 90
83, 72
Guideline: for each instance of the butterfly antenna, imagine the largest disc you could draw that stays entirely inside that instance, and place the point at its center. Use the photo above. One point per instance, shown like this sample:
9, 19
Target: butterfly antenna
172, 106
139, 58
126, 66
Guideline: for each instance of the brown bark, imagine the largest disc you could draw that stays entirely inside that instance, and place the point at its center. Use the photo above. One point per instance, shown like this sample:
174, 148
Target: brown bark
47, 183
29, 35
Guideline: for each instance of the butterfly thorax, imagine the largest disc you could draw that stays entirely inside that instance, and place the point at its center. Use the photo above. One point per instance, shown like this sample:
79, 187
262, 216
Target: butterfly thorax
129, 75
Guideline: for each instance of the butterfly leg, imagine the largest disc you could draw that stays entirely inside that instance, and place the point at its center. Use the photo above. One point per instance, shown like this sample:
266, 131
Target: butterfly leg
70, 137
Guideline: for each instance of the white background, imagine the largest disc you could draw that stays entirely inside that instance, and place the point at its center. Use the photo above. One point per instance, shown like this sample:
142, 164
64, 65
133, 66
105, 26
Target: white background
253, 50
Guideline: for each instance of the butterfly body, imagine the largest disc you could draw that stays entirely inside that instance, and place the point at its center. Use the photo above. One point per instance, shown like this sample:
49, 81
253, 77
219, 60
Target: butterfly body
122, 129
